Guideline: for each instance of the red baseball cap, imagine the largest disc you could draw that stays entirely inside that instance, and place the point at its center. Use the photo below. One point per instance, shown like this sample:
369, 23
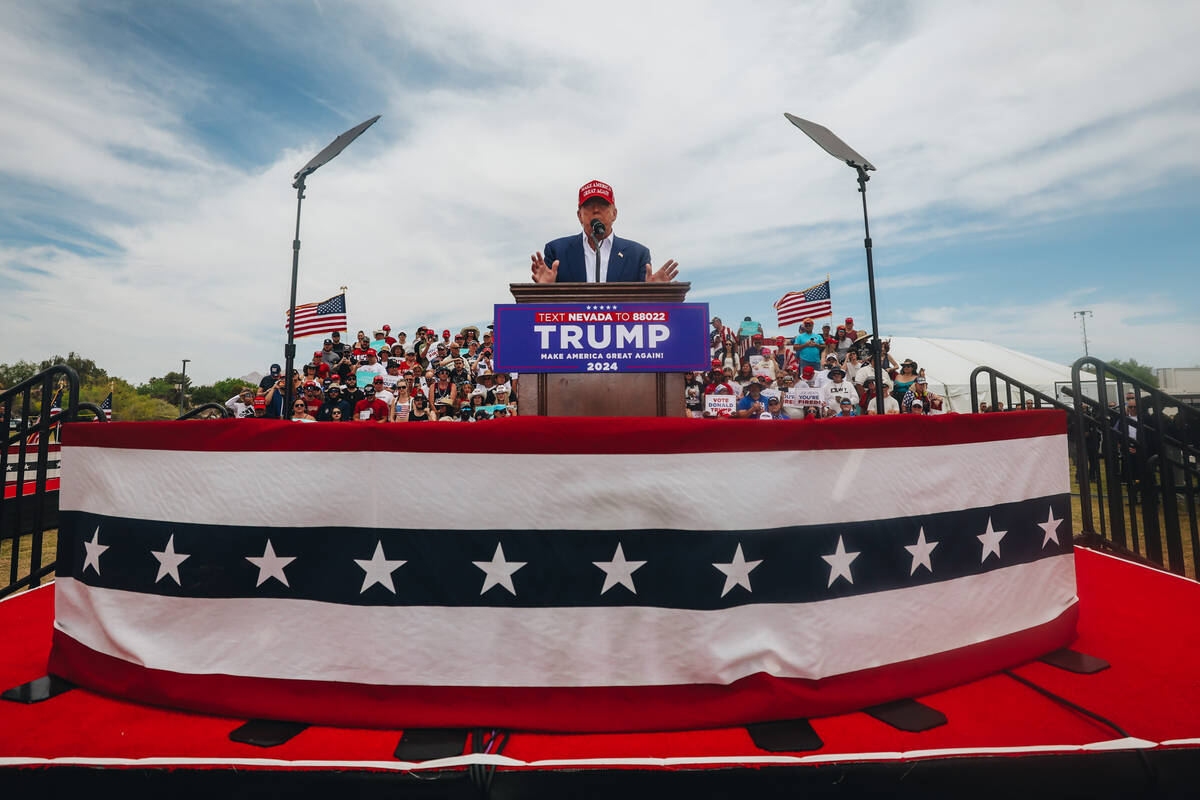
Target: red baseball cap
318, 354
595, 189
371, 351
378, 379
445, 333
387, 327
850, 321
260, 402
808, 372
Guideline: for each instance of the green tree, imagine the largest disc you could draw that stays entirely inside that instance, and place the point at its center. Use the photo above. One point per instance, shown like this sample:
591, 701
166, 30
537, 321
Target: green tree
85, 367
128, 402
165, 388
12, 374
1142, 372
218, 392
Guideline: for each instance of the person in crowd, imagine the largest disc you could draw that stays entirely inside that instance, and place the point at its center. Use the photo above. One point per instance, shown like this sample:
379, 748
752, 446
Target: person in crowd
904, 380
328, 355
384, 394
270, 378
421, 411
812, 412
339, 346
693, 390
371, 408
838, 388
274, 398
743, 376
442, 388
846, 408
983, 408
918, 391
371, 367
503, 398
775, 408
300, 412
260, 407
852, 334
869, 406
716, 334
841, 344
241, 405
718, 383
334, 402
808, 345
752, 404
573, 258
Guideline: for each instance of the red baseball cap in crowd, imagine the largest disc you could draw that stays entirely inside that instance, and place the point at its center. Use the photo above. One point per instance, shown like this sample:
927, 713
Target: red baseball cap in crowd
387, 327
445, 333
318, 354
808, 372
260, 402
849, 322
371, 351
595, 189
378, 379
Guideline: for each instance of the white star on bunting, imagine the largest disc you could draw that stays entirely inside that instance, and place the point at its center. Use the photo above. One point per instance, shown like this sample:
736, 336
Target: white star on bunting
737, 572
94, 550
499, 572
991, 541
619, 571
378, 570
169, 561
920, 552
839, 563
270, 565
1050, 527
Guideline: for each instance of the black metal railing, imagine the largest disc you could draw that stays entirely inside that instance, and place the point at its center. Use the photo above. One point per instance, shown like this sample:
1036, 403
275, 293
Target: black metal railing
29, 462
206, 411
1144, 461
1136, 451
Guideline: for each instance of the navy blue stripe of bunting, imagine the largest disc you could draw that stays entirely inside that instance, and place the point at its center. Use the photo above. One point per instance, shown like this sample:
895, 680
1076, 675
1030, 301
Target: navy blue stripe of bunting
559, 569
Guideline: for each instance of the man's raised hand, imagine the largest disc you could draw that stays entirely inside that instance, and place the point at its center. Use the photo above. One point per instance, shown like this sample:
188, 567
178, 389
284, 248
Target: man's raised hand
543, 273
665, 274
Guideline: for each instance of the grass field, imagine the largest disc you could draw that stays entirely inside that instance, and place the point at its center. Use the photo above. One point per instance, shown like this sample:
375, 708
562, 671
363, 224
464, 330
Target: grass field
49, 548
1138, 544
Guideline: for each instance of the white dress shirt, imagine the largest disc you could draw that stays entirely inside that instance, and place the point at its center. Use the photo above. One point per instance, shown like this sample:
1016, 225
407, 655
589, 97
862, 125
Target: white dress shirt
589, 257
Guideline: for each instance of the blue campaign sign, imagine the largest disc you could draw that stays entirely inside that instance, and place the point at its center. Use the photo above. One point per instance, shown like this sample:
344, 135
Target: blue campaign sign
601, 337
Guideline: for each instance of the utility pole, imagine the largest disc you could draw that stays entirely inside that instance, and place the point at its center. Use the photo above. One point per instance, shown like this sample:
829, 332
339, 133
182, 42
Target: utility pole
183, 385
1083, 315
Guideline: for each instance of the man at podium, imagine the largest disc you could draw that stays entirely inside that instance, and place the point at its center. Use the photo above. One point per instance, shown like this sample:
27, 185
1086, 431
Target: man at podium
574, 258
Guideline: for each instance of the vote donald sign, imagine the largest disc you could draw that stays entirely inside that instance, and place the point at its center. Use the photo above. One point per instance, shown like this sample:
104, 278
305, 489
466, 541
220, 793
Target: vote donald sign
601, 337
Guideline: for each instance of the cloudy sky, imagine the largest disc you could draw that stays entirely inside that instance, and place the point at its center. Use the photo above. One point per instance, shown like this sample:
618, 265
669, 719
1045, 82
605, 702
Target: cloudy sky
1034, 159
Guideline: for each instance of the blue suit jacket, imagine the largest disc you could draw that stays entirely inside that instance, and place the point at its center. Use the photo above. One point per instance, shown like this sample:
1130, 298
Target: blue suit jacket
627, 262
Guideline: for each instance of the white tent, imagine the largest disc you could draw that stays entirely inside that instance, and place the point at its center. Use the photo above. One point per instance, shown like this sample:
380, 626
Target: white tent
948, 364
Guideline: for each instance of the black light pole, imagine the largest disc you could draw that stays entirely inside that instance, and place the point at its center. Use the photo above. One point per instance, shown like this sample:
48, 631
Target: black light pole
331, 150
831, 144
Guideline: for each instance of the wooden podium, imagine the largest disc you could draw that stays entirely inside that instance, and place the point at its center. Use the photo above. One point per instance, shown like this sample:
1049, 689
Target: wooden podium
589, 394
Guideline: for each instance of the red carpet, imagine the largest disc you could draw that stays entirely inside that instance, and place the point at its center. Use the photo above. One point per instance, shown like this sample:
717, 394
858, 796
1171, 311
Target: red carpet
1140, 620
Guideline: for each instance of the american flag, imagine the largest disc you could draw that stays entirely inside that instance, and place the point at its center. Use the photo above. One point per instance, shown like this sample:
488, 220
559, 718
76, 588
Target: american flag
326, 316
815, 301
55, 413
106, 407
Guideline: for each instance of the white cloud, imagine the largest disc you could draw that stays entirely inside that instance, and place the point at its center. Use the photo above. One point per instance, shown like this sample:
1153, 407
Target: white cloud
1010, 114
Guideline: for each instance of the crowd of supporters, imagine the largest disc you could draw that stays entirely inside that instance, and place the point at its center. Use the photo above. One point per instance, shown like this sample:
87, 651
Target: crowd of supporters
822, 372
451, 377
389, 379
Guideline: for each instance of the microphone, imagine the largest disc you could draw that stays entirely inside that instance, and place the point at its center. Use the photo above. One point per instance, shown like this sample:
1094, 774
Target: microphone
598, 230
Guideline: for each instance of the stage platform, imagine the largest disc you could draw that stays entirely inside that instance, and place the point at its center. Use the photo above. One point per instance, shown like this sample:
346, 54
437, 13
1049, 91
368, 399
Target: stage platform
1001, 735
